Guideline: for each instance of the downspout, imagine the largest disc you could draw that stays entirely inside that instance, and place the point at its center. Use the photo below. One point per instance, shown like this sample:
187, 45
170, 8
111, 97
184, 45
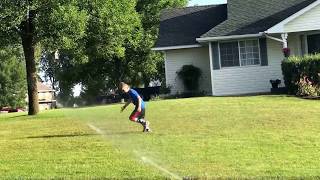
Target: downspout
211, 69
283, 40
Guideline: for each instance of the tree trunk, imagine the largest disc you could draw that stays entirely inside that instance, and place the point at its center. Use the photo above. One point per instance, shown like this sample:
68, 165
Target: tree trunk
27, 37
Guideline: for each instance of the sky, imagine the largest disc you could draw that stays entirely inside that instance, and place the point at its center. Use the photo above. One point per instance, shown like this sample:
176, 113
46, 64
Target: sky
206, 2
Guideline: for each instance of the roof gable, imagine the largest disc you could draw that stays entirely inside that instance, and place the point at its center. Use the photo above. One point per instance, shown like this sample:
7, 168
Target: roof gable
254, 16
254, 10
292, 24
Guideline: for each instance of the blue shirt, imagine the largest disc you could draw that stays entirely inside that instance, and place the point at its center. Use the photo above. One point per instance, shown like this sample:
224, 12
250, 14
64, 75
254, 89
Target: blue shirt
135, 98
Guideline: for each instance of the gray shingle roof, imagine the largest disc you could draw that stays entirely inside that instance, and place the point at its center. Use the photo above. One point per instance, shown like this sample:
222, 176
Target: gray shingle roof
254, 16
183, 25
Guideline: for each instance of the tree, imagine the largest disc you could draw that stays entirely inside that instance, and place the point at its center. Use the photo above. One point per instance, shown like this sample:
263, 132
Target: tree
91, 60
30, 22
111, 25
12, 78
144, 65
117, 47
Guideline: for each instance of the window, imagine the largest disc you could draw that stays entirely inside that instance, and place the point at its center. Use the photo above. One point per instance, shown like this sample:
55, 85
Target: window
249, 52
229, 54
314, 44
239, 53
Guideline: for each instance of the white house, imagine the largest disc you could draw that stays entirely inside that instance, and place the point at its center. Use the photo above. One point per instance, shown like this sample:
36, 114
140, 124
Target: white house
238, 46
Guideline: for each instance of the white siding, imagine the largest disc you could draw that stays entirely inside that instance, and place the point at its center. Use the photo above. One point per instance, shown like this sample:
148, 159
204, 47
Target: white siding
250, 79
306, 22
294, 43
175, 59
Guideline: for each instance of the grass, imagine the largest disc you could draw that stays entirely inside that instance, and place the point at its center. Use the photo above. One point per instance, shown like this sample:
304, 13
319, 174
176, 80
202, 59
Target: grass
222, 137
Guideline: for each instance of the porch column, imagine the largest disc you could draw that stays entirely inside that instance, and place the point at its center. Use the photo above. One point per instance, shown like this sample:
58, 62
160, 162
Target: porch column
284, 37
211, 68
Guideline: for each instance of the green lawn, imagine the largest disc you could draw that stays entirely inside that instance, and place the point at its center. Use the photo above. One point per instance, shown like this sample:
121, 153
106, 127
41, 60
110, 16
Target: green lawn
206, 138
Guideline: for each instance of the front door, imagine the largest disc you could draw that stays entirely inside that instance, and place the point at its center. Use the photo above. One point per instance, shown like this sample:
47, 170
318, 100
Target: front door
314, 44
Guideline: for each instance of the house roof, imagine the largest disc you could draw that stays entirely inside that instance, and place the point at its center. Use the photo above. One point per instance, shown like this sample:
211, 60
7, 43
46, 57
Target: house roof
254, 16
43, 88
182, 26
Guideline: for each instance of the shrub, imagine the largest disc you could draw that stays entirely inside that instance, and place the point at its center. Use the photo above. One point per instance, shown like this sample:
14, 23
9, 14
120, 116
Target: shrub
190, 76
294, 68
307, 88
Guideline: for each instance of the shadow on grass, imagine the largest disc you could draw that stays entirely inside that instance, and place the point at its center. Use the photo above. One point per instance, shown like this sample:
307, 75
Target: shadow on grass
60, 136
124, 133
18, 116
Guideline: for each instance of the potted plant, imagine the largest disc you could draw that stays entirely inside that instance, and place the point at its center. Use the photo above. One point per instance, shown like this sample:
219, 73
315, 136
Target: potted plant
275, 83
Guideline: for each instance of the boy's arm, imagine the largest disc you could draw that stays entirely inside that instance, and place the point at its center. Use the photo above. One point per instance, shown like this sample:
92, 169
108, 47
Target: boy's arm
139, 103
126, 105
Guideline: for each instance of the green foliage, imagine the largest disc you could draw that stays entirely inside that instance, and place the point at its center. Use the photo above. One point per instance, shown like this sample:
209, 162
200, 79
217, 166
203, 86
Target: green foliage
112, 25
141, 65
104, 41
12, 78
62, 27
294, 68
190, 76
55, 24
88, 56
134, 31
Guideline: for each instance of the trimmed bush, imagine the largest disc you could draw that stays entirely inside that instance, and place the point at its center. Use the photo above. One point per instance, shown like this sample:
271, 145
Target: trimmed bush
190, 76
296, 70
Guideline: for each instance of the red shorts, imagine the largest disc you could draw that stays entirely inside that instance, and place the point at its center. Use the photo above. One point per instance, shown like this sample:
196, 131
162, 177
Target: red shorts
135, 115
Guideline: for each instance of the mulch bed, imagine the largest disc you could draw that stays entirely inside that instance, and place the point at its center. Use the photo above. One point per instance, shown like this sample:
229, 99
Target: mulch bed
311, 97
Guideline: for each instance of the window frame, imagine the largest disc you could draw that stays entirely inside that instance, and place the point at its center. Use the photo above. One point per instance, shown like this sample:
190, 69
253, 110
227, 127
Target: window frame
240, 66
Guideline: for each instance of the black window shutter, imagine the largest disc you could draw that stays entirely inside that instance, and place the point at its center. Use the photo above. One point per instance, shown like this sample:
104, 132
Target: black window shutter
215, 55
263, 51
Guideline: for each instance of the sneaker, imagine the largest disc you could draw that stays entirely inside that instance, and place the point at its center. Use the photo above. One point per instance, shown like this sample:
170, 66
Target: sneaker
146, 127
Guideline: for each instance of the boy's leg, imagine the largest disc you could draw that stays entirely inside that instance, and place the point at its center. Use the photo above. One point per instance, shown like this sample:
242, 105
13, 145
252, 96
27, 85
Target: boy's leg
146, 127
136, 117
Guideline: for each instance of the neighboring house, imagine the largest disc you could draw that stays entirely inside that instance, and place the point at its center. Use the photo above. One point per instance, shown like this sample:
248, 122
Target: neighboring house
238, 46
46, 97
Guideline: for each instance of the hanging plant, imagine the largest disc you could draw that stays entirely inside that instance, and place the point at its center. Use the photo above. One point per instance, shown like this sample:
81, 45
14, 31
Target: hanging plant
190, 76
286, 52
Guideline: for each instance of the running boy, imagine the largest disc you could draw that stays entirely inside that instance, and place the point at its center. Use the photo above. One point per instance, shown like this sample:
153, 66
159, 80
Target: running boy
138, 113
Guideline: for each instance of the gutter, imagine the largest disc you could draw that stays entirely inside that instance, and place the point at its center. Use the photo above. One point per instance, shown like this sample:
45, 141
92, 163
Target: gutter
210, 39
220, 38
176, 47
